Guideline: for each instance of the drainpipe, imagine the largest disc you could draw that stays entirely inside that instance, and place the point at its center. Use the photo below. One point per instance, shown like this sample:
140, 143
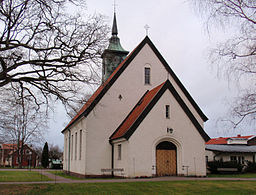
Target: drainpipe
69, 150
112, 158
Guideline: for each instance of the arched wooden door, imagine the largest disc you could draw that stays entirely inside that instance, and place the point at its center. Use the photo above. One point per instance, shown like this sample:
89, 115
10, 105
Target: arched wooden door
166, 159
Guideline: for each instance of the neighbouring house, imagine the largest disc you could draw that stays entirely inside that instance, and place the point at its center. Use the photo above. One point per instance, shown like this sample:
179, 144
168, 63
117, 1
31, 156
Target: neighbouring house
9, 156
141, 122
239, 148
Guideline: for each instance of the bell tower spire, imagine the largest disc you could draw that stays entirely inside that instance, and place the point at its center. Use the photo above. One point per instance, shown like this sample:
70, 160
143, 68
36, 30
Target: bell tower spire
114, 27
114, 54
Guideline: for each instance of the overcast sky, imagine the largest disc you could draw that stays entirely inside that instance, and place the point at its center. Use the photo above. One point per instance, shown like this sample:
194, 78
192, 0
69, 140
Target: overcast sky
181, 37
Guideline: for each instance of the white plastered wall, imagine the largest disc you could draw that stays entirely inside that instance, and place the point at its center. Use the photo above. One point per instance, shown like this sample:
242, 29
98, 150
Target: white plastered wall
153, 130
72, 164
110, 111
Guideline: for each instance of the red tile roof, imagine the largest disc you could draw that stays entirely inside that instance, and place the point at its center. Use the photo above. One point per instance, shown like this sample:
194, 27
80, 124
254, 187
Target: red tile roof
9, 146
136, 112
223, 140
97, 92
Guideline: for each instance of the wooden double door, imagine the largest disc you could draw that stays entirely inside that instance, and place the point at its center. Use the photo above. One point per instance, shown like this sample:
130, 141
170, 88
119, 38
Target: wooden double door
166, 159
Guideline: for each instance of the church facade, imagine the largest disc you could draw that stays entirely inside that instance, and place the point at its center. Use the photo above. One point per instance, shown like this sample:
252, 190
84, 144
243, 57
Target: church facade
141, 120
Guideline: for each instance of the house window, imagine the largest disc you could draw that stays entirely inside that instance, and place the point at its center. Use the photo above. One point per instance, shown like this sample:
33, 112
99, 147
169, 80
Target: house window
147, 76
80, 145
119, 148
167, 111
75, 145
66, 149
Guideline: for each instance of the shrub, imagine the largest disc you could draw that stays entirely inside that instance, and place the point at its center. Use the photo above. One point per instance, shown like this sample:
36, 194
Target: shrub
214, 165
251, 167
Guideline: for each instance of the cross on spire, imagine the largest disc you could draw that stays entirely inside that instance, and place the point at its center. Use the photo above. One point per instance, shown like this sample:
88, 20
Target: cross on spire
146, 28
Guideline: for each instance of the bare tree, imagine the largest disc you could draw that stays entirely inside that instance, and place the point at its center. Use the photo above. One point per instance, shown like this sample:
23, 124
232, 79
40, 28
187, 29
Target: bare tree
55, 152
21, 122
235, 58
72, 112
46, 52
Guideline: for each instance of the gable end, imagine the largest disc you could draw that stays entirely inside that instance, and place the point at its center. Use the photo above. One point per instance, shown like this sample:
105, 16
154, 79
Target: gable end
155, 99
119, 70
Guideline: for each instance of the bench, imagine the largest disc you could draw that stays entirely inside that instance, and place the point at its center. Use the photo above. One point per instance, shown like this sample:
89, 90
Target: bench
227, 169
112, 170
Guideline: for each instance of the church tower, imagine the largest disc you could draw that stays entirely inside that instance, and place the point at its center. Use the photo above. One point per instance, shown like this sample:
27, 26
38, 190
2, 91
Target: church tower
114, 54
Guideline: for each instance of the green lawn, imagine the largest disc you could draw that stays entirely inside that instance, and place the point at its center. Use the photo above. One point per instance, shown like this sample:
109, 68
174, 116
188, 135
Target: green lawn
243, 175
168, 187
6, 176
62, 174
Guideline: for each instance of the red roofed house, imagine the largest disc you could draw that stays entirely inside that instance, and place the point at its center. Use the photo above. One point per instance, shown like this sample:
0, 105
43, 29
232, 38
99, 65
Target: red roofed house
9, 156
238, 148
140, 122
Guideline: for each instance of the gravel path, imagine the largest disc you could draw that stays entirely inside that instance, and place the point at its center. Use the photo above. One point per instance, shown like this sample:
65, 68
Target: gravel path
58, 179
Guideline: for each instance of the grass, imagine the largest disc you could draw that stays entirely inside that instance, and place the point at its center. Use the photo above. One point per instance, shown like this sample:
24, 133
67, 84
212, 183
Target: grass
165, 187
9, 176
62, 174
242, 175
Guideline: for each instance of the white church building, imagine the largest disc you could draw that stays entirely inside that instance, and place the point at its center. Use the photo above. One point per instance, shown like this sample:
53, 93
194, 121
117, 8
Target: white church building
141, 122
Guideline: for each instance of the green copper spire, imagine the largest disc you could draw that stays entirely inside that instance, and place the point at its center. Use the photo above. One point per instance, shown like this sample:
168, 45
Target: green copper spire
114, 54
114, 27
114, 41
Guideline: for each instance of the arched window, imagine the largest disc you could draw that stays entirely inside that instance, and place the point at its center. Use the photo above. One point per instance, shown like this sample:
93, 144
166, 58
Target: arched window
147, 75
166, 146
167, 111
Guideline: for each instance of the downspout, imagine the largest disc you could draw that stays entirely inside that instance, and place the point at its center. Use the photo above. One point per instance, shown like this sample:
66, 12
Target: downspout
112, 158
69, 150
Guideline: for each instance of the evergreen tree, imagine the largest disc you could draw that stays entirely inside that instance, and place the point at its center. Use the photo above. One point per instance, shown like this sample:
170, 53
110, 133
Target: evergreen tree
45, 156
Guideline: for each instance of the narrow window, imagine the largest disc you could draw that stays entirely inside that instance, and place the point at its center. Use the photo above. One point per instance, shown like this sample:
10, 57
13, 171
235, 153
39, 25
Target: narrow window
119, 147
72, 147
76, 146
167, 111
147, 76
66, 149
80, 146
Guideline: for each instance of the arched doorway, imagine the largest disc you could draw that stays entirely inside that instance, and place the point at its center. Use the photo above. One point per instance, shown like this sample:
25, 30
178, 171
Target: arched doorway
166, 159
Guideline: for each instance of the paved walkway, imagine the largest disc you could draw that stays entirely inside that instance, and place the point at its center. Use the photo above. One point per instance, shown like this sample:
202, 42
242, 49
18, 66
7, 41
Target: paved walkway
58, 179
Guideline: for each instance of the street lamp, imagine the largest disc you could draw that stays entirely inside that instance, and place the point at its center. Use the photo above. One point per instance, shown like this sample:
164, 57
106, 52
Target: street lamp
30, 156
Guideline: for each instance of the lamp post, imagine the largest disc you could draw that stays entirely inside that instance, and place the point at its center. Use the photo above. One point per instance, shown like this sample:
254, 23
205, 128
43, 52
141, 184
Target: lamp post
30, 156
